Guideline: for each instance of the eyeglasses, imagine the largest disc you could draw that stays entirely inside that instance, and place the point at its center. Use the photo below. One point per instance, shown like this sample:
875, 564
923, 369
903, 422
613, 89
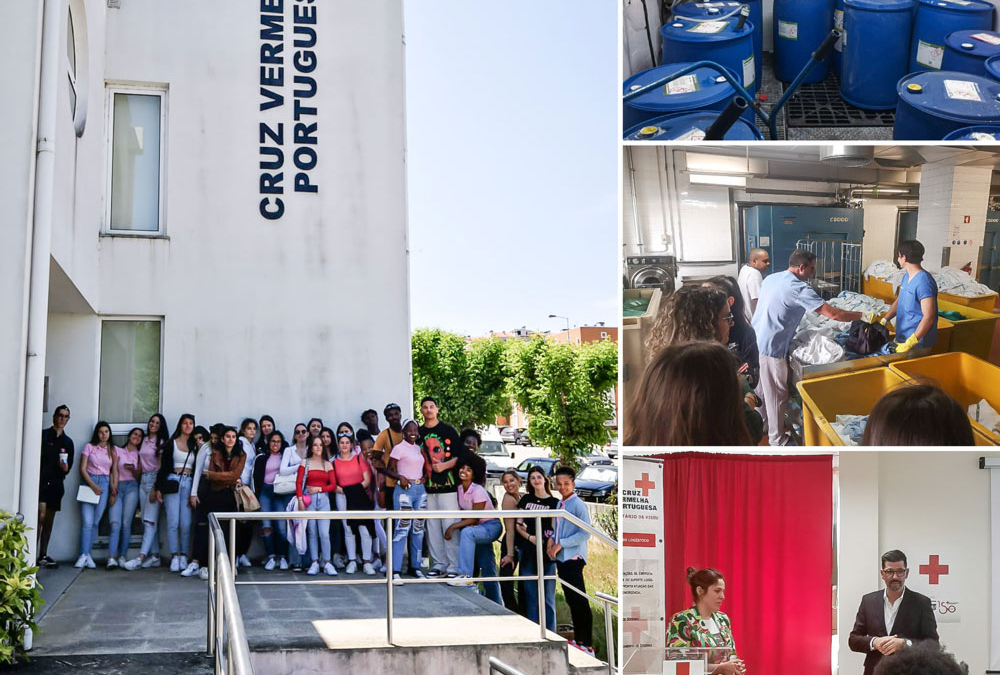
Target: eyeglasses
729, 319
895, 573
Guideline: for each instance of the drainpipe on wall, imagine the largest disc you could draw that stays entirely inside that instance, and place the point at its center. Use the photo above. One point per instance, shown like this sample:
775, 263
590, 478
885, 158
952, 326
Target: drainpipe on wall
26, 480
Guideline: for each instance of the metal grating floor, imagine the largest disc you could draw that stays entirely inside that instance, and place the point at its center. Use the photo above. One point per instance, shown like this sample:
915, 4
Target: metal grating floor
820, 105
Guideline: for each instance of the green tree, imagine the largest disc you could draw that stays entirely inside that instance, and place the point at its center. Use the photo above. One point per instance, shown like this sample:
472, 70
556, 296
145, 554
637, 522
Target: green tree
468, 380
566, 391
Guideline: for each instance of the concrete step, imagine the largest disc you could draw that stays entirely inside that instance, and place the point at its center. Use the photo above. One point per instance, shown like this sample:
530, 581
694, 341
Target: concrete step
584, 664
118, 664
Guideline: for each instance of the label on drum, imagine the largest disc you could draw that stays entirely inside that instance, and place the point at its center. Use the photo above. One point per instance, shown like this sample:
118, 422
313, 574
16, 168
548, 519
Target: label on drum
986, 37
709, 27
982, 136
692, 134
749, 72
838, 23
788, 30
962, 90
682, 85
929, 55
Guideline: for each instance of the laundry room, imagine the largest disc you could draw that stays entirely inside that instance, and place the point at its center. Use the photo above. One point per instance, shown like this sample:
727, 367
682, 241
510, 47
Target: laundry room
852, 269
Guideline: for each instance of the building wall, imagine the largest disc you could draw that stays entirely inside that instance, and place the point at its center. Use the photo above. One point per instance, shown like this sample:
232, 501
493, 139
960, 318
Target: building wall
917, 501
306, 315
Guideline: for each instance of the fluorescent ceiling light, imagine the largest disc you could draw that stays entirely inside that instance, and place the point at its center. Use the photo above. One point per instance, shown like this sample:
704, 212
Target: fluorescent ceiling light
717, 179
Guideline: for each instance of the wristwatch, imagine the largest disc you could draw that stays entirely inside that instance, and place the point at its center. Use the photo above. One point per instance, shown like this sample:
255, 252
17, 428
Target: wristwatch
909, 643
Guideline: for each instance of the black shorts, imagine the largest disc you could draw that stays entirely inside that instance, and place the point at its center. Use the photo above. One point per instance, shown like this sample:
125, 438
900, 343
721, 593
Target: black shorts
51, 494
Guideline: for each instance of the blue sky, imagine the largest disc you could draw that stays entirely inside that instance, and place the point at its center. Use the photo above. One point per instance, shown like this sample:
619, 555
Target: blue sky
512, 151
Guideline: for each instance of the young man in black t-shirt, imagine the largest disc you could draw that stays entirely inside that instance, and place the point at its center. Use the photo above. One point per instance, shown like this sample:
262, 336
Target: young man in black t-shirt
440, 445
57, 460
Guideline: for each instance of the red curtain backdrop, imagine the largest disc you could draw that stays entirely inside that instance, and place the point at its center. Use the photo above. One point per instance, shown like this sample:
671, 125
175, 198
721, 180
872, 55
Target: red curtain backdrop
766, 523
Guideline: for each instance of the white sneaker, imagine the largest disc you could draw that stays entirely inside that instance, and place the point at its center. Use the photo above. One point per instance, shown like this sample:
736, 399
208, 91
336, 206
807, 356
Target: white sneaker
269, 565
313, 569
112, 563
397, 580
352, 567
461, 580
339, 561
151, 561
183, 563
81, 562
203, 574
122, 560
190, 570
243, 561
368, 569
90, 562
283, 564
377, 565
175, 564
330, 570
132, 564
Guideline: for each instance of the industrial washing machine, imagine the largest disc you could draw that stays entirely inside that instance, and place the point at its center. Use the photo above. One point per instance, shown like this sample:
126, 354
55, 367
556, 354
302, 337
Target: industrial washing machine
651, 271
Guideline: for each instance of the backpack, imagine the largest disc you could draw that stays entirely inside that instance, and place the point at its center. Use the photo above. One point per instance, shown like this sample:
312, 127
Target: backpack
867, 338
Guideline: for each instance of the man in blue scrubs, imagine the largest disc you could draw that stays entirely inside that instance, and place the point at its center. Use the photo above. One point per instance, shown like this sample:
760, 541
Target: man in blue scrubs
784, 299
915, 307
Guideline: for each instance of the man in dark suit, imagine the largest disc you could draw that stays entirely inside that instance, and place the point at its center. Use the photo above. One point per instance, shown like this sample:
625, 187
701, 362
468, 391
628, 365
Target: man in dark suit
894, 619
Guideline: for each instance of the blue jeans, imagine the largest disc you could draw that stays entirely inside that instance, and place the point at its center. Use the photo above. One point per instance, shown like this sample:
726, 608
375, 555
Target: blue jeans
528, 567
150, 515
91, 514
121, 514
319, 530
272, 502
179, 518
413, 498
475, 544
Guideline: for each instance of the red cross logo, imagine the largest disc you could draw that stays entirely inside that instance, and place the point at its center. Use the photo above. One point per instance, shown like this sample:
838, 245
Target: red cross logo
635, 626
645, 484
933, 569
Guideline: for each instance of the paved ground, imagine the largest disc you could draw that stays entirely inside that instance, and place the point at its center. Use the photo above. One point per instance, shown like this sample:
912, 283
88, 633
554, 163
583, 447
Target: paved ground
118, 664
153, 611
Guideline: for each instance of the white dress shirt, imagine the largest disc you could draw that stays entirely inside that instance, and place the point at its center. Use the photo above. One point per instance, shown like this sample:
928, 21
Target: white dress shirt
890, 611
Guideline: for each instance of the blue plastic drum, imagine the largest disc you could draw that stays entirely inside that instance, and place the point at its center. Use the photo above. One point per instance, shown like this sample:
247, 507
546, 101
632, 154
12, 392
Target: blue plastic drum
800, 27
718, 41
932, 104
707, 10
703, 89
993, 67
936, 19
876, 51
690, 127
967, 50
975, 134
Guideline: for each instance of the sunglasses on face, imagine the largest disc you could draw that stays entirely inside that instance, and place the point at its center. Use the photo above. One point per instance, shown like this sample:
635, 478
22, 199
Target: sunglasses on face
344, 434
301, 431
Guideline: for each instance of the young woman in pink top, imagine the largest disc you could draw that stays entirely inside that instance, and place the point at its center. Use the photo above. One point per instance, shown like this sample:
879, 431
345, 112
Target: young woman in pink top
265, 470
98, 469
126, 500
408, 462
353, 478
314, 482
156, 440
475, 535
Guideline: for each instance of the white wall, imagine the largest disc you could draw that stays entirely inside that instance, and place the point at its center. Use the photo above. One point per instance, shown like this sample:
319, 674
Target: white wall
880, 229
916, 501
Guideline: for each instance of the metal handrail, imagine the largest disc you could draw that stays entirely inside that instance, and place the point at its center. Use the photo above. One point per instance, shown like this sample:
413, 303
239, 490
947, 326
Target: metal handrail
390, 583
226, 634
498, 666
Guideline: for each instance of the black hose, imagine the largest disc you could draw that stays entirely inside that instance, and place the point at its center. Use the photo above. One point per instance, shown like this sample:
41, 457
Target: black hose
721, 125
744, 13
827, 47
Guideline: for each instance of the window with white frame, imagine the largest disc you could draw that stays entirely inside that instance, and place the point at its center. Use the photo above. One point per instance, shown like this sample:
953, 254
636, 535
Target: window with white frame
135, 204
77, 63
130, 372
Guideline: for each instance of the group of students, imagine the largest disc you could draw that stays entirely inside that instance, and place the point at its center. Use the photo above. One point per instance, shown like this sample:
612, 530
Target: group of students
194, 471
718, 372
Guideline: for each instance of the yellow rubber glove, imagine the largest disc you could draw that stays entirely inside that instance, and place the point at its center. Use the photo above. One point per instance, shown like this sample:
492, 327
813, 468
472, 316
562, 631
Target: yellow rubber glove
884, 321
910, 343
868, 317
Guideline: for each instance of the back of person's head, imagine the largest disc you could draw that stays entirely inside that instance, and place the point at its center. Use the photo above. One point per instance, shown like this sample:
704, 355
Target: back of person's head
689, 395
918, 414
702, 579
913, 250
689, 313
925, 658
801, 257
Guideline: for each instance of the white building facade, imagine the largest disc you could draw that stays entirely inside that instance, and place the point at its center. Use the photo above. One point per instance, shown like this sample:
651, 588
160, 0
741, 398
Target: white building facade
205, 212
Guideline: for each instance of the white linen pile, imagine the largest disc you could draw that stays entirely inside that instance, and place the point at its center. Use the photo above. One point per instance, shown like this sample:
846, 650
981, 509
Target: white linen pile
948, 279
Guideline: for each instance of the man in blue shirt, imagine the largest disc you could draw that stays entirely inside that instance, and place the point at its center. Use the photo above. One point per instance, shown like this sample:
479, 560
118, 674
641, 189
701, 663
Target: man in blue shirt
915, 306
784, 299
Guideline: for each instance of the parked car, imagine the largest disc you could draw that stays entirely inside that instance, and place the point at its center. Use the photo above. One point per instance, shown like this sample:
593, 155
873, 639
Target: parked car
523, 438
611, 449
548, 464
508, 435
596, 459
498, 457
596, 483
